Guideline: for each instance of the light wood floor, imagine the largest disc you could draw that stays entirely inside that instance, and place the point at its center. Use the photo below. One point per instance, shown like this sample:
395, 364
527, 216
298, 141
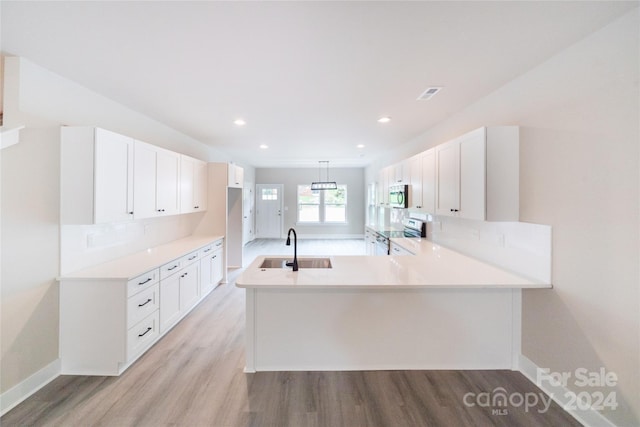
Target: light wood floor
194, 377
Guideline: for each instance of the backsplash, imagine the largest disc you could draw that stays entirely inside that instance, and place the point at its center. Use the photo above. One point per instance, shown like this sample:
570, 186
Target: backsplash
82, 246
520, 247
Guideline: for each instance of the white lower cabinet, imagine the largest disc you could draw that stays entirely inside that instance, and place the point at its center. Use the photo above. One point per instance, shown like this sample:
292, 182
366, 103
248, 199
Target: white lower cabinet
179, 289
211, 268
142, 335
169, 302
106, 323
399, 250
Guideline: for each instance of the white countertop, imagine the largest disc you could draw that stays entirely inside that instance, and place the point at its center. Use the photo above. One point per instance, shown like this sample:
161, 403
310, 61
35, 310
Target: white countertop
138, 263
433, 266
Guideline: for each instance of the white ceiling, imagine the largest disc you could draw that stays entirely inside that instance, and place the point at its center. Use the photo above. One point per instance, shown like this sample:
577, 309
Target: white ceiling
309, 78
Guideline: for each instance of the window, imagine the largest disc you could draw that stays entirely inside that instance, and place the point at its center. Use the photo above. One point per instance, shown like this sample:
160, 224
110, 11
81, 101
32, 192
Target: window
269, 194
325, 206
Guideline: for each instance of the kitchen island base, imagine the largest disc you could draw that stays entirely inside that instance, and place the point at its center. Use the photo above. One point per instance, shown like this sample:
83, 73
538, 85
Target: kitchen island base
382, 329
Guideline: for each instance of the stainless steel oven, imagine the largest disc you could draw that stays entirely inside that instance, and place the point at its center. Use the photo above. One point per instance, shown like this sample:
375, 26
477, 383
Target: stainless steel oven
414, 228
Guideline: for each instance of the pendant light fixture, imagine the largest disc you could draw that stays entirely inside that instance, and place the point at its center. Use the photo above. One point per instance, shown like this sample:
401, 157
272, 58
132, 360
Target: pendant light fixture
320, 184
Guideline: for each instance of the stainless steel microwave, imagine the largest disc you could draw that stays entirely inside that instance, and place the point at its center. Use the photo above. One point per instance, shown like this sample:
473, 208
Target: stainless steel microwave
399, 196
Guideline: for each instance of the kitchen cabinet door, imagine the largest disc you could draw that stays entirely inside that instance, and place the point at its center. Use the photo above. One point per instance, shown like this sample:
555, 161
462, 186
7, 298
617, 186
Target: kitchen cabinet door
235, 176
384, 180
96, 178
472, 175
169, 302
113, 177
167, 178
448, 178
428, 161
217, 267
156, 177
144, 189
415, 193
201, 185
189, 289
187, 185
478, 175
211, 269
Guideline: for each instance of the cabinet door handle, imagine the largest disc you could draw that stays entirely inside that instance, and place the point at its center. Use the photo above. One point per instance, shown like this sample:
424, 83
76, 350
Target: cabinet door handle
214, 257
146, 281
173, 268
131, 213
145, 303
145, 332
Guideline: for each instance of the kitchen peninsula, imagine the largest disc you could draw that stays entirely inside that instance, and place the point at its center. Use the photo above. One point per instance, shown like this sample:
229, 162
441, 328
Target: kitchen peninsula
437, 310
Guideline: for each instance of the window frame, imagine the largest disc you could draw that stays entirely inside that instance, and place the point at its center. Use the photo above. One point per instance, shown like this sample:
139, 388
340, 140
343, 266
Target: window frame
322, 204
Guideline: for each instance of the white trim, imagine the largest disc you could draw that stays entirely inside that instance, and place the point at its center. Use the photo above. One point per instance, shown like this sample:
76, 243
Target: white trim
23, 390
516, 328
587, 418
9, 136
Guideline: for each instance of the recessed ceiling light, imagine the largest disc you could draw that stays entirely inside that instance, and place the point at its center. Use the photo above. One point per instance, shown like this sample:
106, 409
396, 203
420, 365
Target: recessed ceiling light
239, 122
264, 146
360, 146
384, 119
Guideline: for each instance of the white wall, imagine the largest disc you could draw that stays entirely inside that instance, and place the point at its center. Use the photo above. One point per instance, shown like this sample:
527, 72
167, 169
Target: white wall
292, 177
33, 244
579, 160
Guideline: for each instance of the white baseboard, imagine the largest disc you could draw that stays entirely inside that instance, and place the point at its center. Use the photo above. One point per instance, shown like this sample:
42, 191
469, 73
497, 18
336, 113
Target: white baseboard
589, 417
21, 391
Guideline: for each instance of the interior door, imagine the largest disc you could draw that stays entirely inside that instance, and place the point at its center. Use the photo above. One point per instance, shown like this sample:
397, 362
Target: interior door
269, 211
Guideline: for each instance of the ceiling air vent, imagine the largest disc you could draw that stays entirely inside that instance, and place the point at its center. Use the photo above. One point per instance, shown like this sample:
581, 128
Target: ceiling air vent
427, 94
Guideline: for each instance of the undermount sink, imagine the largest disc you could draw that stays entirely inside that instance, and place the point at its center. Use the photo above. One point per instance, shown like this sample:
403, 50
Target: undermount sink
302, 263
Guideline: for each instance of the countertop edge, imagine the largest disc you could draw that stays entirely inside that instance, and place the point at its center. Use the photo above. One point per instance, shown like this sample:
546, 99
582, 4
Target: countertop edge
150, 259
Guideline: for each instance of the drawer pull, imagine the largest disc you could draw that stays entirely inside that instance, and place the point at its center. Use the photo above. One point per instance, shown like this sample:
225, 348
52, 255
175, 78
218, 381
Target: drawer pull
219, 244
193, 257
207, 250
145, 332
146, 281
145, 303
173, 268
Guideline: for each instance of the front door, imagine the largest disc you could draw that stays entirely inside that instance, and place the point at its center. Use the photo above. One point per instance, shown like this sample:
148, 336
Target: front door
269, 211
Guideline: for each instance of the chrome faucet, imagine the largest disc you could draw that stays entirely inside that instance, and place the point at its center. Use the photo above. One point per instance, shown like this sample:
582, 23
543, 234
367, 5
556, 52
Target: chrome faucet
293, 264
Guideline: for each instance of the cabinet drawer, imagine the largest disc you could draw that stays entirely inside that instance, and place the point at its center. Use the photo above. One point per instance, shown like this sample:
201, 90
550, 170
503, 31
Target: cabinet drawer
142, 282
170, 268
190, 258
142, 304
207, 250
143, 334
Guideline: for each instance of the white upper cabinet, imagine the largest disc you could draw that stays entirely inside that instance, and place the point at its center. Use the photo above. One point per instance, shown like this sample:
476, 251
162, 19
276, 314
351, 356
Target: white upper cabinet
156, 177
423, 181
478, 175
448, 178
385, 179
96, 176
193, 185
235, 176
415, 193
